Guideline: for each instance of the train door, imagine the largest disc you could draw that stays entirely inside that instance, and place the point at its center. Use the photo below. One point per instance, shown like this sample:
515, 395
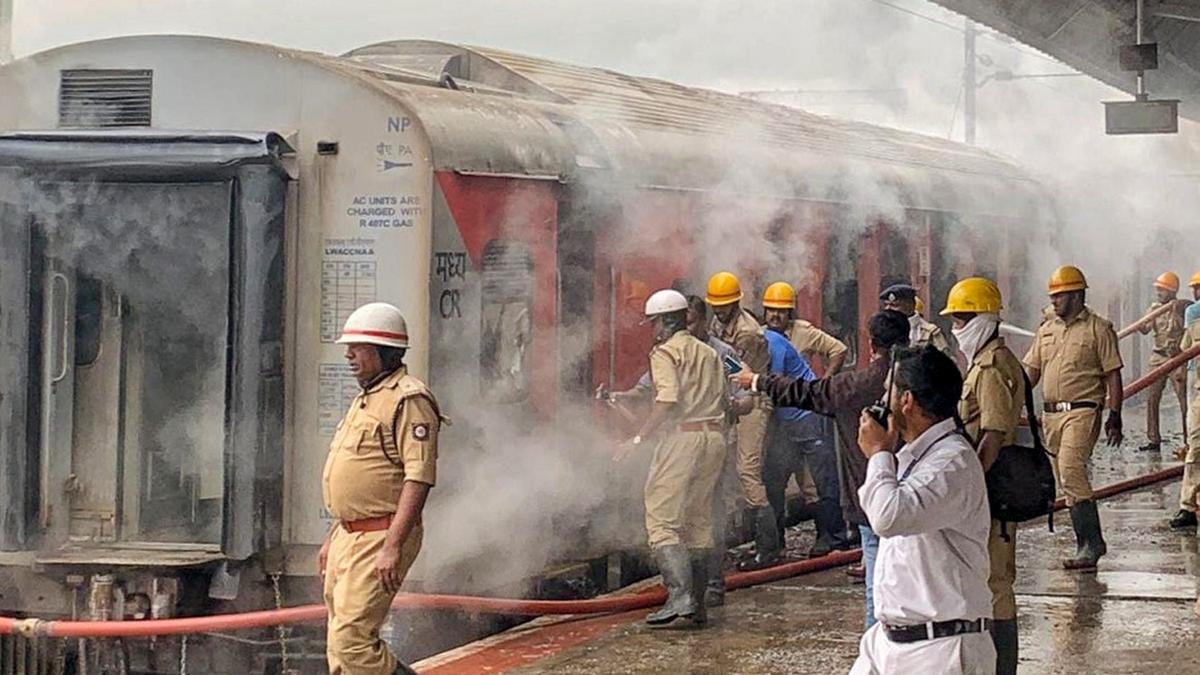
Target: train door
133, 366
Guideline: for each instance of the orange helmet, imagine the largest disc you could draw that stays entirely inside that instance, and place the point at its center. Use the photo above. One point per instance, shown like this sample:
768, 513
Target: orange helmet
780, 295
1067, 278
1168, 281
723, 289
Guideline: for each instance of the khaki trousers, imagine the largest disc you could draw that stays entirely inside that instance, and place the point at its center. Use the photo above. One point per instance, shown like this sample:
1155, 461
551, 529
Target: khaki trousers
358, 603
1072, 436
1003, 556
1178, 380
752, 433
681, 486
1189, 491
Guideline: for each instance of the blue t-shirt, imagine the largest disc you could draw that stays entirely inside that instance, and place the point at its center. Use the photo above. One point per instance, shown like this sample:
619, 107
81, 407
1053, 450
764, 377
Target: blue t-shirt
1191, 314
785, 360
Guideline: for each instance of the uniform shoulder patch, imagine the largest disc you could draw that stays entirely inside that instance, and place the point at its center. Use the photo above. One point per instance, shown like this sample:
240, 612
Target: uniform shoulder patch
420, 431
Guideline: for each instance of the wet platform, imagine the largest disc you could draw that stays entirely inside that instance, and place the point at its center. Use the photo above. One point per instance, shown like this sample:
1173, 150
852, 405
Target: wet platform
1136, 615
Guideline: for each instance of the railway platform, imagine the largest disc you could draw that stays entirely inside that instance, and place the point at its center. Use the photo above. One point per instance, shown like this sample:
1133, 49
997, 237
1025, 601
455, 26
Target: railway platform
1137, 614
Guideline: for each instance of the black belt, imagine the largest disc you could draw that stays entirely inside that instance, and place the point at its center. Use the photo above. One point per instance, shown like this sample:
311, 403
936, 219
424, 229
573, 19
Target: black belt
1067, 406
936, 629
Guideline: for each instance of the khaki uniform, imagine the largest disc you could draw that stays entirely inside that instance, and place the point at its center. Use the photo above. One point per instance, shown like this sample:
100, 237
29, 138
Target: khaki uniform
388, 436
745, 335
1074, 359
1167, 329
811, 341
992, 399
926, 333
686, 465
1189, 492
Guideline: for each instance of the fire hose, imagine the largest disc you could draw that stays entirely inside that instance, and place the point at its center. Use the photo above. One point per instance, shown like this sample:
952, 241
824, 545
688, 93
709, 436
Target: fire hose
1142, 322
510, 606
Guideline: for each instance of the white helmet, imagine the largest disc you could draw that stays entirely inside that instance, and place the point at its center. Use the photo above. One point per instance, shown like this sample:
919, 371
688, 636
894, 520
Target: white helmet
665, 302
376, 323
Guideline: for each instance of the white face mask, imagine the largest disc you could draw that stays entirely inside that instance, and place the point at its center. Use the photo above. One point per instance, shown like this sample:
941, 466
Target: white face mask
975, 334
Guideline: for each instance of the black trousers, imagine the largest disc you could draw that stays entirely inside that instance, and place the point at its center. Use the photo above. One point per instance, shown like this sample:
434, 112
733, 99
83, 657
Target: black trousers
791, 445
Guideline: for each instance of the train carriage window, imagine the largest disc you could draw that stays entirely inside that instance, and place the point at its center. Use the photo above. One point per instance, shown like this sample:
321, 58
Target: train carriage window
89, 320
506, 321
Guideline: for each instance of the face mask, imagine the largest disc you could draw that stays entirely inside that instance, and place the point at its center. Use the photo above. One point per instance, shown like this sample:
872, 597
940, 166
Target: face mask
975, 334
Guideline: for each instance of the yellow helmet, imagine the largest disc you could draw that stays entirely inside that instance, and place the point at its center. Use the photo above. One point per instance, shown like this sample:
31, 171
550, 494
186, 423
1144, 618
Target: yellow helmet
1195, 280
1067, 278
1168, 281
723, 289
780, 295
974, 295
919, 305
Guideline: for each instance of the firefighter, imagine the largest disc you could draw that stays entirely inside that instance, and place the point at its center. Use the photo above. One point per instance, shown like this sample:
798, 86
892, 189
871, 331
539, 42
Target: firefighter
1168, 329
809, 340
1189, 491
1076, 352
903, 299
690, 403
381, 464
990, 410
801, 441
740, 329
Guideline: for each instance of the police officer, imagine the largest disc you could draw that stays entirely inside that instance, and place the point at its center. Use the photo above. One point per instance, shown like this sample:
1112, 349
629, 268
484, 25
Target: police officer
1076, 353
1189, 491
990, 409
1168, 329
740, 329
690, 402
903, 299
381, 464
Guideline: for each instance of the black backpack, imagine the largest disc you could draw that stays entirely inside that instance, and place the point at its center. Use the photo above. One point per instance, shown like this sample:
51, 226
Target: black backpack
1020, 484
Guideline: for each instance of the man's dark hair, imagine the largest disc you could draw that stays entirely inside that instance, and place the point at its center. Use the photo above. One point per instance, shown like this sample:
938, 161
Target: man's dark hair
391, 357
888, 328
932, 377
699, 306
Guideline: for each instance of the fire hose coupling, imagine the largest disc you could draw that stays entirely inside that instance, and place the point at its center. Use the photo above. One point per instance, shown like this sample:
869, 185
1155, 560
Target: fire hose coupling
31, 628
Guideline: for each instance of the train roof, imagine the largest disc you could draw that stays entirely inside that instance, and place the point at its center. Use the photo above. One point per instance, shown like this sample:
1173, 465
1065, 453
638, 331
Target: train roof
489, 111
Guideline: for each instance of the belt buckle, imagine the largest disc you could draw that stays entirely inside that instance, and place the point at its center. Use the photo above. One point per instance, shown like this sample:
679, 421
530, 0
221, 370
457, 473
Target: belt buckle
1062, 406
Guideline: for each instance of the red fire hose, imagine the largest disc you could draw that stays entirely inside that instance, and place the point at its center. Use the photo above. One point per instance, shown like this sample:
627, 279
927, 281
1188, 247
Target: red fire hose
517, 607
314, 613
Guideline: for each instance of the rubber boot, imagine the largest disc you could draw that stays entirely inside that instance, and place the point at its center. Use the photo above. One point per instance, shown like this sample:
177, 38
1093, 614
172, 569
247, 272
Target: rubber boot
1090, 544
1004, 637
676, 569
1184, 520
831, 529
700, 558
767, 544
714, 591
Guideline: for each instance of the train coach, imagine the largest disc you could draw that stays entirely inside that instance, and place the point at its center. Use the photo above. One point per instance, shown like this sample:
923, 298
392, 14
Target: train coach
187, 221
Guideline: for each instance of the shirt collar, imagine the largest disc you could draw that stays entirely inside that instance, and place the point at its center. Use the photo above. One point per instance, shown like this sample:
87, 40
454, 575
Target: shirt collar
1083, 314
922, 443
387, 380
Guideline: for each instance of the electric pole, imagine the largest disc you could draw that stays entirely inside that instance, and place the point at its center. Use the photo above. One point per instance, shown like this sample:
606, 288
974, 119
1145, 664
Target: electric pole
968, 83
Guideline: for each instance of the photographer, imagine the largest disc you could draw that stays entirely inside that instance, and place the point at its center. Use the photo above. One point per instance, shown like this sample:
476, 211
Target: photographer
928, 503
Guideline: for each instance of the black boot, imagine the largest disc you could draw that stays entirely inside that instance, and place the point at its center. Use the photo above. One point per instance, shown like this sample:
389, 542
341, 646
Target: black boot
1089, 540
676, 569
402, 669
831, 529
700, 558
767, 544
1184, 520
1004, 637
714, 592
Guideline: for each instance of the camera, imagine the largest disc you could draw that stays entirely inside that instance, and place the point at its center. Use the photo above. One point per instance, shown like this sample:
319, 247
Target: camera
878, 412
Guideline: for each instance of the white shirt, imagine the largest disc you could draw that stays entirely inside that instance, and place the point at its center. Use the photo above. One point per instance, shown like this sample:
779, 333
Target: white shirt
933, 561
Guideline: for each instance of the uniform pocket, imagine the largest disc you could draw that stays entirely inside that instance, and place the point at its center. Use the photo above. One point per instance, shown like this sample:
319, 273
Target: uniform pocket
369, 436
